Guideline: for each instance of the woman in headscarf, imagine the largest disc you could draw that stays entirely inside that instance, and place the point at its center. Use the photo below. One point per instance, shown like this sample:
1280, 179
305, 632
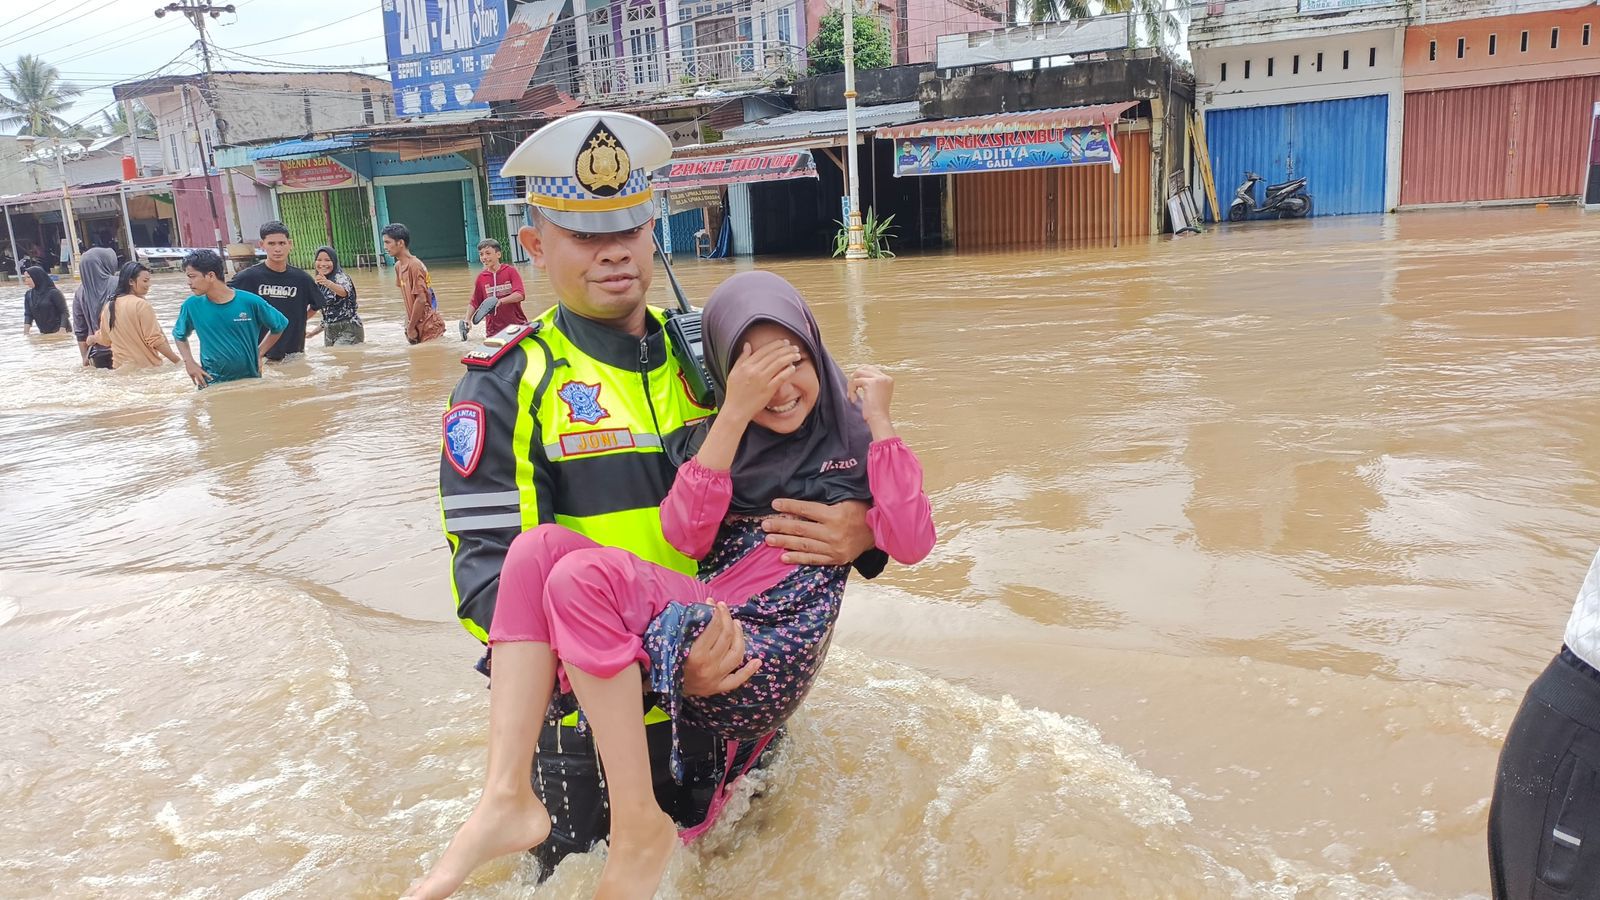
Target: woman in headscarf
97, 276
128, 324
43, 305
340, 324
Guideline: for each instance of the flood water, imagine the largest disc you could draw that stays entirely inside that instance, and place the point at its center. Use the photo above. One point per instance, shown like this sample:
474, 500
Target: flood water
1250, 543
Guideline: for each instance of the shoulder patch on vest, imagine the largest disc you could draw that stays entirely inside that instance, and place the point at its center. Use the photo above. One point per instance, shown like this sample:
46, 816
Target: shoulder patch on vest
465, 427
498, 346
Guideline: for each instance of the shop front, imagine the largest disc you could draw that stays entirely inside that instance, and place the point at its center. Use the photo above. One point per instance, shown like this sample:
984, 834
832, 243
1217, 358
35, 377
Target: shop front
324, 204
1059, 177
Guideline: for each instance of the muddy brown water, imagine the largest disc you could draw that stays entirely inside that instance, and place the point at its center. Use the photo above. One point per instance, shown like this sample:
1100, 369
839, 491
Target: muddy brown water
1250, 544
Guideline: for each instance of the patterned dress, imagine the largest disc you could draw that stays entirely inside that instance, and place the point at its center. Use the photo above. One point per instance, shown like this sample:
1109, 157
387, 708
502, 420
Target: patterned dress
788, 627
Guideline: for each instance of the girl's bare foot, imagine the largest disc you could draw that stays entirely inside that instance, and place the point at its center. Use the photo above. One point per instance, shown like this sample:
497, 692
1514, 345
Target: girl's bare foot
498, 825
636, 861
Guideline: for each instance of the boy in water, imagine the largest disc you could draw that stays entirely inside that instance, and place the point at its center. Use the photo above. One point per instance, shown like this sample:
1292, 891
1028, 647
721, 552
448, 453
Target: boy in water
230, 323
500, 286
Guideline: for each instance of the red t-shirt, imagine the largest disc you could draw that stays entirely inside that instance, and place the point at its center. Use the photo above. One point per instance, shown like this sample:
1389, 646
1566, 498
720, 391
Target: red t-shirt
501, 283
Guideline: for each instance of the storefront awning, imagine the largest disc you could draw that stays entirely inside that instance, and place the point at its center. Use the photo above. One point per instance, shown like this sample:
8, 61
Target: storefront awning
821, 126
155, 184
1066, 117
291, 149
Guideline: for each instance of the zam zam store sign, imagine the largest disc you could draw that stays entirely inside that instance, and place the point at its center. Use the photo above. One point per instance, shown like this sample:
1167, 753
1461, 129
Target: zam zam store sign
438, 51
951, 154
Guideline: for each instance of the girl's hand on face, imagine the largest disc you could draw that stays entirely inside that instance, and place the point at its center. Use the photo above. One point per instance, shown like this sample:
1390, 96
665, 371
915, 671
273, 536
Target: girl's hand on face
757, 376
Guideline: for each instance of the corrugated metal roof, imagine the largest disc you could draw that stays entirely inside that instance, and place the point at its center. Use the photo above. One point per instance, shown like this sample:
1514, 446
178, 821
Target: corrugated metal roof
290, 149
1065, 117
823, 122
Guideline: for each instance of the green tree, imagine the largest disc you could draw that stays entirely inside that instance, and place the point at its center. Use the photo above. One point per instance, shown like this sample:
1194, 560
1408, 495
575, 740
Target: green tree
35, 98
872, 44
1155, 23
118, 124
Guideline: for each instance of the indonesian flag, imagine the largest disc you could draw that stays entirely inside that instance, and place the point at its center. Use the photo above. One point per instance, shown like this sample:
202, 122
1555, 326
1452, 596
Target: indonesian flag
1111, 140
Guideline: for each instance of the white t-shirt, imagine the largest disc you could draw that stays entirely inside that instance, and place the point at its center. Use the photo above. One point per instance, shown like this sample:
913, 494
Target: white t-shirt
1583, 629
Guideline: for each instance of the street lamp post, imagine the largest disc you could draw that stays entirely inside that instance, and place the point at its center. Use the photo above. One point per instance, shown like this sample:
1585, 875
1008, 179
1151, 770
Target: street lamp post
71, 221
855, 247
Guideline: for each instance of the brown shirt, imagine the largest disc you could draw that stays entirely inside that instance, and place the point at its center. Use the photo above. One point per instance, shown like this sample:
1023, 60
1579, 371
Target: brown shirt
423, 322
137, 335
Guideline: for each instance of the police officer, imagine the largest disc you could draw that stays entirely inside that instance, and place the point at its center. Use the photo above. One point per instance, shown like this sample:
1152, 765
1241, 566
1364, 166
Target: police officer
582, 418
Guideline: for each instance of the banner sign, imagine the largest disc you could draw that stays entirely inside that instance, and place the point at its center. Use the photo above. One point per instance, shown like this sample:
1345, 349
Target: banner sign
720, 170
697, 198
316, 174
438, 51
268, 171
1315, 6
951, 154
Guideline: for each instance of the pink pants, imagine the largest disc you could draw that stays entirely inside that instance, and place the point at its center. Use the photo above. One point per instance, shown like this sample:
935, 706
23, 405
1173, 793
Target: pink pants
590, 603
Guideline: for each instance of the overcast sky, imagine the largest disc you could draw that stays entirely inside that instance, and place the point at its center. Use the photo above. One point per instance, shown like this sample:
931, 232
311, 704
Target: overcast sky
96, 43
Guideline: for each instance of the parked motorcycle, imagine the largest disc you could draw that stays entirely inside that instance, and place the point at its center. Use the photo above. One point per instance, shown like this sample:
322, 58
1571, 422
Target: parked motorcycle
1287, 199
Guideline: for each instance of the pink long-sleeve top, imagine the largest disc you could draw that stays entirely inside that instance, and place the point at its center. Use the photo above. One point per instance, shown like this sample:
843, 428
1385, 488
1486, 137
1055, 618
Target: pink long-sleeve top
901, 519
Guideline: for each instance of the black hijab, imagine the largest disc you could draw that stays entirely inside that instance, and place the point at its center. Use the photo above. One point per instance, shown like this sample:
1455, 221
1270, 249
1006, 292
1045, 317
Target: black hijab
825, 461
44, 300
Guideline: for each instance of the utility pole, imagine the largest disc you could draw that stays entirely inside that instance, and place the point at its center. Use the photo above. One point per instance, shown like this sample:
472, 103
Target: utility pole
196, 13
856, 247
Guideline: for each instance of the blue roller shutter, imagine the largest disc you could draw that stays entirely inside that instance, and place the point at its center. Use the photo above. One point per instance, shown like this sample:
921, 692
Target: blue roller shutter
1339, 146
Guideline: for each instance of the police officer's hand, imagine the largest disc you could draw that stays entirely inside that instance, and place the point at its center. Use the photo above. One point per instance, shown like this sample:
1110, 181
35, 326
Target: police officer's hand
716, 663
756, 377
816, 534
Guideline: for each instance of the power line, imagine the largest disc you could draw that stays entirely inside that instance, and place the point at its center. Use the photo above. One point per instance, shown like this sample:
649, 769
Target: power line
72, 20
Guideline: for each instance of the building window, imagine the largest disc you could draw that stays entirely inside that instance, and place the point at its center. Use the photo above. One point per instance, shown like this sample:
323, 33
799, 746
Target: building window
1269, 67
786, 26
177, 161
1347, 59
1524, 42
305, 99
1247, 68
1586, 35
367, 114
1494, 42
1555, 38
1461, 48
1433, 50
1372, 57
1319, 62
1295, 69
1224, 75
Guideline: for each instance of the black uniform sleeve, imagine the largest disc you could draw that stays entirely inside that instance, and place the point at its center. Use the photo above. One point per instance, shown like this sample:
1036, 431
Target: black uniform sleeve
871, 563
483, 509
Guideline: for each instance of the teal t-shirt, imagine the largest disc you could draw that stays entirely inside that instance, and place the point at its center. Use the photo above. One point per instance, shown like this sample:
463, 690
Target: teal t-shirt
229, 333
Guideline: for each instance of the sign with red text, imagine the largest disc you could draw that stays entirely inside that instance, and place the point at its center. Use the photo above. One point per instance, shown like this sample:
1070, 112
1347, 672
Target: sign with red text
319, 173
1029, 149
717, 170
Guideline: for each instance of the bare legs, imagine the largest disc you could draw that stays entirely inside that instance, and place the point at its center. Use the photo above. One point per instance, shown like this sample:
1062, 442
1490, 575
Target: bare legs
642, 836
509, 817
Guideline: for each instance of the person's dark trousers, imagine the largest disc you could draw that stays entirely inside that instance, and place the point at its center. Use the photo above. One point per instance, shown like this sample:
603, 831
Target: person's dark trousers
1544, 820
567, 777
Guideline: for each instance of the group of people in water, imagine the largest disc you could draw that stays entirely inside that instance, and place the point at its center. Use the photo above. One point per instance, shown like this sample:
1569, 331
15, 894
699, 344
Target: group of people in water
262, 313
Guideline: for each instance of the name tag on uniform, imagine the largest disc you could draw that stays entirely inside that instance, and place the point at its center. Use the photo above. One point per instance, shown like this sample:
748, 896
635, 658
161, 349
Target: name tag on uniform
586, 442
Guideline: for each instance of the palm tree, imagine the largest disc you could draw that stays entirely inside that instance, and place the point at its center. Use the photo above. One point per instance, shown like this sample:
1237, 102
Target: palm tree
144, 123
1155, 24
35, 97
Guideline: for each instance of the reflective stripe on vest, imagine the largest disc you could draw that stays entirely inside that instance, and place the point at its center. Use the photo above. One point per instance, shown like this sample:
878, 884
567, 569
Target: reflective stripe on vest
654, 716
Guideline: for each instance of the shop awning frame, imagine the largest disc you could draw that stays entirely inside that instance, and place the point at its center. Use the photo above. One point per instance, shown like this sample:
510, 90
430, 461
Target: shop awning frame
1065, 117
155, 184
